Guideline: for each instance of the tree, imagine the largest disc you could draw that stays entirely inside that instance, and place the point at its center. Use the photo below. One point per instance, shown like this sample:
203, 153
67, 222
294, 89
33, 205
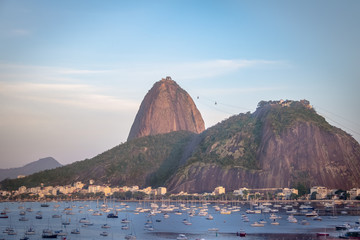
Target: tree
313, 196
293, 196
139, 195
302, 189
245, 194
262, 103
128, 195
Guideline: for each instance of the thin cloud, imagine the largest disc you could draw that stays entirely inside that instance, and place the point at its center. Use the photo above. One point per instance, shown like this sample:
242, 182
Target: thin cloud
74, 95
71, 86
20, 32
191, 70
79, 71
223, 91
141, 71
215, 68
20, 71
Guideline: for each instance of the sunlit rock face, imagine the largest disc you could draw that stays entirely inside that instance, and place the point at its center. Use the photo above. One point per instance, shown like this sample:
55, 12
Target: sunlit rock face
166, 108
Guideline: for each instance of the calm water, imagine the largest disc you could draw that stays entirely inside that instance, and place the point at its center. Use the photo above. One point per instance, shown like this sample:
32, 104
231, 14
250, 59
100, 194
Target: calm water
163, 228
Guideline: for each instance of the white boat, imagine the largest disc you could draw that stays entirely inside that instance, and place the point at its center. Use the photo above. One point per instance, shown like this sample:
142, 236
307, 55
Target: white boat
275, 223
291, 211
256, 224
306, 207
97, 213
130, 237
262, 221
124, 227
30, 231
125, 220
8, 229
75, 231
312, 214
84, 220
23, 219
304, 222
225, 211
213, 229
292, 219
273, 216
66, 222
186, 222
181, 237
202, 213
61, 233
105, 226
148, 227
104, 234
11, 232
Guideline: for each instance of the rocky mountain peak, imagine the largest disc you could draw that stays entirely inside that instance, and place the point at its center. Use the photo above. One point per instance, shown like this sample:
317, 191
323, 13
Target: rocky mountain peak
166, 108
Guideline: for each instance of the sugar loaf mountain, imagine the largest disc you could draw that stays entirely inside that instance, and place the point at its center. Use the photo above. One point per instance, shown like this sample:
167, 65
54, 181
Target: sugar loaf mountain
281, 144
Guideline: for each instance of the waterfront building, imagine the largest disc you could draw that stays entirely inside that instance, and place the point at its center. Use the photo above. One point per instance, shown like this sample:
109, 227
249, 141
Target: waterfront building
321, 192
146, 190
79, 185
134, 188
354, 192
161, 190
241, 191
288, 191
22, 190
219, 190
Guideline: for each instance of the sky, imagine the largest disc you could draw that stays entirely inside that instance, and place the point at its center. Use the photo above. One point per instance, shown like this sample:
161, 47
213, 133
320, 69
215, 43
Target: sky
73, 73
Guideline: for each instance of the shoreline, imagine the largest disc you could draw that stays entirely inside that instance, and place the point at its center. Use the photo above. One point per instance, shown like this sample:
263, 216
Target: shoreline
337, 202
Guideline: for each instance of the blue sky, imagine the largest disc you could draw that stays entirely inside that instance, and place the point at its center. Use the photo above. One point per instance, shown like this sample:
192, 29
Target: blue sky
73, 73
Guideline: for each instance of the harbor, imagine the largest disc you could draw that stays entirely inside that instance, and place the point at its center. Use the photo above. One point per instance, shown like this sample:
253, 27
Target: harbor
171, 219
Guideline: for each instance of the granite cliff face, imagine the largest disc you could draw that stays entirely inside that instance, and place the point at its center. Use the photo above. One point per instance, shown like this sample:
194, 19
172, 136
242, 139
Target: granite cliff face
280, 145
166, 108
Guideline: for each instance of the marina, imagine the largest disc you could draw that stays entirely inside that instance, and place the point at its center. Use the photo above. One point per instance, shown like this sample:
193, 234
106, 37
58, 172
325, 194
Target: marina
174, 220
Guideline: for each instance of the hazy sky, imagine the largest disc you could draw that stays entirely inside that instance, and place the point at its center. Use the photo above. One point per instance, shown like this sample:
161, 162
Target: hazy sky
73, 73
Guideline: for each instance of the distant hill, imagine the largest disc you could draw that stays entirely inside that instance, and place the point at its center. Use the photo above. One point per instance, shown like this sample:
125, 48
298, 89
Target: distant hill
281, 144
166, 108
33, 167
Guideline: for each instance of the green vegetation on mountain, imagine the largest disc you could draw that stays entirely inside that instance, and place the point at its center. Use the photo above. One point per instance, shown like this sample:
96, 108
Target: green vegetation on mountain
281, 116
143, 161
231, 143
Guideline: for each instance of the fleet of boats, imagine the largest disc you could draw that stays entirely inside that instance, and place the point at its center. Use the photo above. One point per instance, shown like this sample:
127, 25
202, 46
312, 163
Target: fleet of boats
261, 215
